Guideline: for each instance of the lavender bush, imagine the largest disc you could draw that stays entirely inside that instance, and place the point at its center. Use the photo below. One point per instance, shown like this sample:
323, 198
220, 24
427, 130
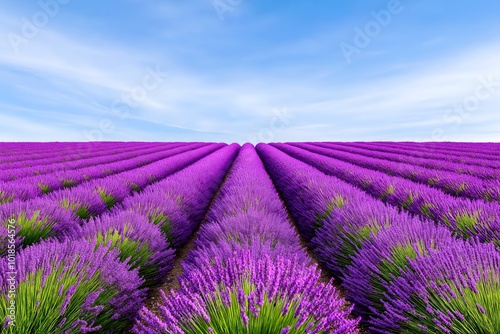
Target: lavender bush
453, 290
383, 256
34, 221
69, 287
140, 243
244, 294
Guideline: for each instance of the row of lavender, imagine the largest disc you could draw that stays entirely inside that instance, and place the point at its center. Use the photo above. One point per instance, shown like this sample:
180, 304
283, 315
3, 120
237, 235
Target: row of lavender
24, 188
472, 167
437, 159
247, 272
404, 274
479, 150
26, 153
31, 160
464, 217
451, 183
12, 151
96, 277
60, 161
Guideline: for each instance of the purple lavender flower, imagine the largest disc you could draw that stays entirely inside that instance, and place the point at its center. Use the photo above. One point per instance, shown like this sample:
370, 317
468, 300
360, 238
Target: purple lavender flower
382, 257
84, 270
36, 220
160, 210
470, 270
307, 297
141, 244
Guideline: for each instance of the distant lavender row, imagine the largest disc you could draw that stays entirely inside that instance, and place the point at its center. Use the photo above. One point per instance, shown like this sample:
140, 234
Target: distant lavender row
464, 217
68, 162
36, 159
449, 182
12, 151
237, 278
43, 218
430, 161
33, 160
402, 273
36, 186
425, 156
459, 146
481, 151
26, 152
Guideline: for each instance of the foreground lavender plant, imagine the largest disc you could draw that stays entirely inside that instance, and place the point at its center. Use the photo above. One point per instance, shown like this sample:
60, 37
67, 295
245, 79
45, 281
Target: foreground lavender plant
244, 294
383, 256
454, 290
261, 233
68, 287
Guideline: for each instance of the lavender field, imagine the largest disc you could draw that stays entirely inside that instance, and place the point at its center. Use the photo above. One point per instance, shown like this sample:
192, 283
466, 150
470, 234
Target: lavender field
316, 237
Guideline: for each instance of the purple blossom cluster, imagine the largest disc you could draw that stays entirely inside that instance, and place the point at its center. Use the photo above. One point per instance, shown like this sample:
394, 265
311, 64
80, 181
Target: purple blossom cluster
454, 290
384, 254
36, 220
381, 254
70, 286
237, 277
253, 285
141, 244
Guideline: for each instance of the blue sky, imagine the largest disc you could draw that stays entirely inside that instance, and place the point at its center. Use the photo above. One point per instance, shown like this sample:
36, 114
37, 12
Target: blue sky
249, 70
